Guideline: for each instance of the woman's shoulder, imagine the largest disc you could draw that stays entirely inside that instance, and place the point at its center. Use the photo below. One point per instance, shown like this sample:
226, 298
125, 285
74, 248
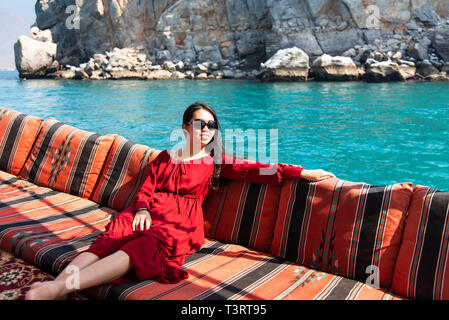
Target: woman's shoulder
161, 156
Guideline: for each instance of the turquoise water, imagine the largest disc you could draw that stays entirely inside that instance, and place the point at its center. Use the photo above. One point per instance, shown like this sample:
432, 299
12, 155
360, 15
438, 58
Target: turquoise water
375, 133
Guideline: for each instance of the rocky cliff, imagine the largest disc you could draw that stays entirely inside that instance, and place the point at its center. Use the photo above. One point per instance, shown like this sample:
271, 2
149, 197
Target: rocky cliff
241, 34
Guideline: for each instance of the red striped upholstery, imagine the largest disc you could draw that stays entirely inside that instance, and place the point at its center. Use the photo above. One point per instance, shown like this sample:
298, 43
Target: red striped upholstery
227, 271
422, 268
243, 213
49, 228
17, 134
342, 227
46, 227
67, 159
125, 169
303, 212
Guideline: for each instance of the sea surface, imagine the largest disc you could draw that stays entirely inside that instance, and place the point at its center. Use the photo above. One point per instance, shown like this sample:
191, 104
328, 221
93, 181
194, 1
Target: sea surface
362, 132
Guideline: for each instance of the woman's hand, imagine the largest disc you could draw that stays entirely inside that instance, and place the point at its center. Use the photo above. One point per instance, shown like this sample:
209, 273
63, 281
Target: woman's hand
142, 220
316, 175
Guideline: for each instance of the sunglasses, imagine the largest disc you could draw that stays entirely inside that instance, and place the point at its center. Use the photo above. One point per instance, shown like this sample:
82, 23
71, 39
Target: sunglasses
211, 125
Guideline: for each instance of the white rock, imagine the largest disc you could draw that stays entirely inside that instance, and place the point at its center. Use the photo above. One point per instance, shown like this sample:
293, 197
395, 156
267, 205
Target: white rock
335, 68
290, 64
178, 75
291, 58
33, 57
41, 35
180, 65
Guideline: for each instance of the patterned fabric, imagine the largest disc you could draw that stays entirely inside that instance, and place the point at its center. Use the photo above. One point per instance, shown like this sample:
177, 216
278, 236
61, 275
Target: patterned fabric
242, 213
17, 134
125, 169
46, 227
17, 275
350, 229
421, 270
221, 271
49, 228
67, 159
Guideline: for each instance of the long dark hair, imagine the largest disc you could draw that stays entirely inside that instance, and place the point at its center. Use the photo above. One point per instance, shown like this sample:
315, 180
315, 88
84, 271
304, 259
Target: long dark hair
215, 147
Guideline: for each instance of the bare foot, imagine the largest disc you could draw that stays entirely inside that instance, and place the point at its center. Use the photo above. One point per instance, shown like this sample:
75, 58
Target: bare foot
48, 290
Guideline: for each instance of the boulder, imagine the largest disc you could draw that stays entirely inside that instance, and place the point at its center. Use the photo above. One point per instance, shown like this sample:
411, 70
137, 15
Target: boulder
158, 75
97, 75
63, 74
33, 57
290, 64
178, 75
81, 74
442, 76
425, 68
41, 35
125, 75
445, 67
202, 76
169, 65
417, 50
335, 68
388, 71
440, 41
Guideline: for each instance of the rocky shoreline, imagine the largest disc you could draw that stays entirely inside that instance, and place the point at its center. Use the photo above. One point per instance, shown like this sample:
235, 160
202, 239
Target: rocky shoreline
291, 64
237, 39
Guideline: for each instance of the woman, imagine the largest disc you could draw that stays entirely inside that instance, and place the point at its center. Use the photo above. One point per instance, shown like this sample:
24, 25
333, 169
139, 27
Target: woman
164, 223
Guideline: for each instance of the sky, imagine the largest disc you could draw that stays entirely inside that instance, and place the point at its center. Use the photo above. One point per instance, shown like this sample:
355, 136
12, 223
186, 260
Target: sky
21, 8
16, 17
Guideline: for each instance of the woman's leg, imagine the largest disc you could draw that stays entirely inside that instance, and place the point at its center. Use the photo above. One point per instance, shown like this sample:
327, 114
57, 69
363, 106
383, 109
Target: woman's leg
83, 260
100, 272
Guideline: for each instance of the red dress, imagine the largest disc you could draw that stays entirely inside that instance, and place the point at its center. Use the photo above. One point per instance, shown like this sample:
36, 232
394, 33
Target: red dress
174, 192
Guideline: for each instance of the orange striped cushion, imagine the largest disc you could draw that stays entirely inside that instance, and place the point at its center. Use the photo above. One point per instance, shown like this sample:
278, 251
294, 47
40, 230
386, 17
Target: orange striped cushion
125, 168
243, 213
49, 228
422, 267
67, 159
18, 132
44, 226
219, 271
342, 227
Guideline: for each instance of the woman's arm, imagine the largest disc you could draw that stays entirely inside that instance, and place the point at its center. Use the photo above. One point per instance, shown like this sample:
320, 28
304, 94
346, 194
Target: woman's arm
258, 172
264, 173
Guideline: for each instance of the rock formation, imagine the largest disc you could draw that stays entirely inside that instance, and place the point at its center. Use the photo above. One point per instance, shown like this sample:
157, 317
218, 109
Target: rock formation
287, 64
336, 68
33, 57
233, 37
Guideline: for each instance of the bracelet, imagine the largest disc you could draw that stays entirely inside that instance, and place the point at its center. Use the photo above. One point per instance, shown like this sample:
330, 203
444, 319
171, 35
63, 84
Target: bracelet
141, 209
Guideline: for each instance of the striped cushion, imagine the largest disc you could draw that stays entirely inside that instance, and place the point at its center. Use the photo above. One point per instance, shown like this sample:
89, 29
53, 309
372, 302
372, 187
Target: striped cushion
342, 227
47, 227
243, 213
125, 168
18, 132
67, 159
219, 271
422, 268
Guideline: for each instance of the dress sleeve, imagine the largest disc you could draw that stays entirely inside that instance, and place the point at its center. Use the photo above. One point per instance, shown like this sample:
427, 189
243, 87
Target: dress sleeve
144, 197
258, 172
